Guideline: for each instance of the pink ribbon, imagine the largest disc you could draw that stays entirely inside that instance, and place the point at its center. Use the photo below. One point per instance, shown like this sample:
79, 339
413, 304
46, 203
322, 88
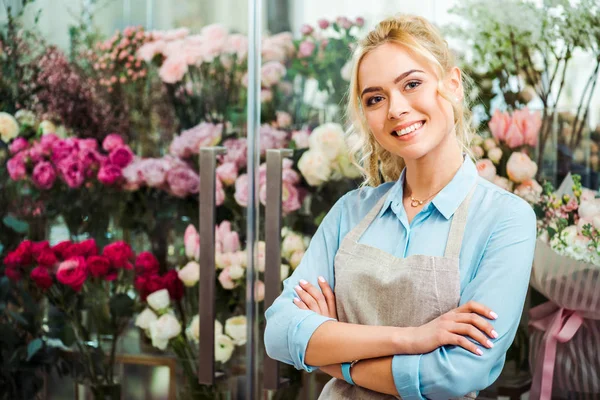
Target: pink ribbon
560, 325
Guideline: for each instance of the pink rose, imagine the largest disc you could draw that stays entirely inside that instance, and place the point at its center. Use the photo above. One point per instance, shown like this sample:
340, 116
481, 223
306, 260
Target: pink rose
271, 73
48, 139
283, 119
112, 141
360, 22
150, 49
219, 193
323, 24
236, 152
119, 253
225, 279
17, 145
237, 44
520, 168
90, 144
306, 48
44, 175
271, 138
227, 173
16, 168
306, 29
134, 178
499, 124
486, 169
72, 272
230, 241
191, 241
514, 137
259, 291
343, 22
183, 181
109, 174
72, 171
241, 190
529, 124
41, 277
154, 171
121, 156
290, 197
173, 69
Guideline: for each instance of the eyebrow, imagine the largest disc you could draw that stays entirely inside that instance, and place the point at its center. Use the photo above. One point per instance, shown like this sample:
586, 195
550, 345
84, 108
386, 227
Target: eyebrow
398, 79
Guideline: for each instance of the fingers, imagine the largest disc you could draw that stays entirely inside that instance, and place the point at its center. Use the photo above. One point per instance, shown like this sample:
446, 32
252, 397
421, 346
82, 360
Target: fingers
317, 295
309, 300
480, 323
465, 343
300, 304
473, 306
474, 333
329, 297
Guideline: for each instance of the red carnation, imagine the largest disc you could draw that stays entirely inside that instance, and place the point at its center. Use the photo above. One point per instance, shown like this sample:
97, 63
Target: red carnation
98, 265
41, 277
119, 254
72, 272
173, 284
146, 264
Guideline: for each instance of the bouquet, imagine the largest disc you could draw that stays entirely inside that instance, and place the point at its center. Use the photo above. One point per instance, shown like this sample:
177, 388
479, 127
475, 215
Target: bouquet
566, 270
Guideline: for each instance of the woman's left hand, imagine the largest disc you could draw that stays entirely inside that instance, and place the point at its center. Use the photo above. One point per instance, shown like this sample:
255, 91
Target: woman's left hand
320, 301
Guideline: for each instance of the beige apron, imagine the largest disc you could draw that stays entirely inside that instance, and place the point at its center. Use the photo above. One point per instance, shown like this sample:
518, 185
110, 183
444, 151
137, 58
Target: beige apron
373, 287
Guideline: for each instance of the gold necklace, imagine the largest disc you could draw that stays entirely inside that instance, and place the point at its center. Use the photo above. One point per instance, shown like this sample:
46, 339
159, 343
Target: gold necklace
417, 203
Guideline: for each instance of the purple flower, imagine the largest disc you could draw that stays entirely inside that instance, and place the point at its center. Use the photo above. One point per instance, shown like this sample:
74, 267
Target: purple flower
44, 175
183, 181
72, 171
121, 156
112, 141
17, 145
109, 174
16, 168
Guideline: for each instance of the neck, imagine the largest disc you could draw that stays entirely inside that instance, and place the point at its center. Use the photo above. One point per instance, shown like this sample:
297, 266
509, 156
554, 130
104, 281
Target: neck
432, 172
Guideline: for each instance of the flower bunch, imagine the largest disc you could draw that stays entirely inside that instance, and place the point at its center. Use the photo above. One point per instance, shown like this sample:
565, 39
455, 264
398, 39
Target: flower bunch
327, 157
520, 129
115, 59
148, 278
77, 162
570, 223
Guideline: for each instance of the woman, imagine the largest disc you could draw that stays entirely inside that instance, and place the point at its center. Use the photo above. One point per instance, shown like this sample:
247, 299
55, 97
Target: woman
430, 269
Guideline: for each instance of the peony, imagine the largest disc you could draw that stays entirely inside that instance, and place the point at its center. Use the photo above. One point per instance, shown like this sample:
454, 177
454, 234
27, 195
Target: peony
235, 327
17, 145
283, 119
489, 144
112, 142
173, 69
271, 73
227, 173
41, 277
72, 272
495, 155
259, 291
47, 127
183, 181
236, 152
121, 156
323, 23
236, 272
477, 151
306, 48
295, 259
499, 124
241, 190
329, 139
154, 171
486, 169
109, 174
520, 167
292, 243
300, 138
163, 329
290, 197
284, 271
226, 280
224, 347
229, 240
145, 318
189, 274
73, 172
9, 127
589, 209
16, 168
159, 300
315, 167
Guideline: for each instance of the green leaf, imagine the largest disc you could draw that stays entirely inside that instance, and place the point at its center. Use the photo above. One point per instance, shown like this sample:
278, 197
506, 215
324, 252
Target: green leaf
33, 347
15, 224
18, 317
121, 306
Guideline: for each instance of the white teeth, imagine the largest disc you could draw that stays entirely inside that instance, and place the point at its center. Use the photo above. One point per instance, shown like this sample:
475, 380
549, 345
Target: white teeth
411, 128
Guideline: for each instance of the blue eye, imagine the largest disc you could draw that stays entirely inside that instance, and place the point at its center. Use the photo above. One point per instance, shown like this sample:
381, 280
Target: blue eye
371, 102
412, 84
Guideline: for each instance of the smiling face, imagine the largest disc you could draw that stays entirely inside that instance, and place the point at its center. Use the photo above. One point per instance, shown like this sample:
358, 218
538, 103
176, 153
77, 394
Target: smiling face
401, 104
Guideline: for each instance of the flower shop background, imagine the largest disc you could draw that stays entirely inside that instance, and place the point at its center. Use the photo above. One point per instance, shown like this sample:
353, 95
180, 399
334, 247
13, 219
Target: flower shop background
99, 173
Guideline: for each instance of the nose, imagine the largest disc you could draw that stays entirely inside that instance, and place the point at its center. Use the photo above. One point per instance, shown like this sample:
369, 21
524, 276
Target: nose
398, 106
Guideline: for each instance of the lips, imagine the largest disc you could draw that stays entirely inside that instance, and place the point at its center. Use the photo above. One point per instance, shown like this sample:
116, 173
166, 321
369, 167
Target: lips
404, 126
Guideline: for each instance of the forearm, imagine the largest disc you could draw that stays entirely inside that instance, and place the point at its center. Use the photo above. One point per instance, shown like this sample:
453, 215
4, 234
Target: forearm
336, 342
374, 374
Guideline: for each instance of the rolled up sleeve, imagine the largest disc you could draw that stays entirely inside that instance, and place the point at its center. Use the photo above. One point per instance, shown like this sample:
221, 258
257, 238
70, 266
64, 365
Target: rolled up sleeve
500, 282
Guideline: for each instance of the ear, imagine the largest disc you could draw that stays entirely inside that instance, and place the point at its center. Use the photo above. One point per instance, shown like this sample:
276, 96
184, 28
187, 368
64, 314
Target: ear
454, 83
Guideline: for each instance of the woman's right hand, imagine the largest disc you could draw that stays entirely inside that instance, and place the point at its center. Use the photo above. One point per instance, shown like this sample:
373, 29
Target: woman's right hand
452, 328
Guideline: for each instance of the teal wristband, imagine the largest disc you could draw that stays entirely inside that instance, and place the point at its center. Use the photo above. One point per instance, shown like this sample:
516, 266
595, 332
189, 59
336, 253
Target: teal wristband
346, 372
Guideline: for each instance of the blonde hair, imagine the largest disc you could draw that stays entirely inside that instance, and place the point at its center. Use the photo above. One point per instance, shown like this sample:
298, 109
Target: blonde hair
418, 35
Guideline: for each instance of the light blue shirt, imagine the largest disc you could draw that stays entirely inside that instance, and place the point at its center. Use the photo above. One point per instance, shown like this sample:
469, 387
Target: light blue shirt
495, 264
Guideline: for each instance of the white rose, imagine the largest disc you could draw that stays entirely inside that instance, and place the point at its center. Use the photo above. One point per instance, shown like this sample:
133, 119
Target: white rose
145, 318
218, 328
190, 274
164, 329
242, 258
224, 347
261, 255
295, 259
25, 117
346, 167
495, 155
47, 127
589, 209
159, 300
291, 242
285, 271
329, 139
315, 167
193, 329
489, 144
236, 271
9, 127
235, 327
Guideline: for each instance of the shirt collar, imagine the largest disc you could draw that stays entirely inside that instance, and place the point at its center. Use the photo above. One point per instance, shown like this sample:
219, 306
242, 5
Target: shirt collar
449, 198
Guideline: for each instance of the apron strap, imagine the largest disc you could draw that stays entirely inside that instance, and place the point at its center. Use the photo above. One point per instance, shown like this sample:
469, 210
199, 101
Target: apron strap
362, 226
457, 227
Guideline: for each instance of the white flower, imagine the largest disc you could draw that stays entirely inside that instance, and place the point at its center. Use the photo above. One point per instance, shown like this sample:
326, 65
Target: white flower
346, 167
224, 347
25, 117
236, 271
235, 327
159, 300
145, 318
164, 329
520, 167
261, 255
495, 154
329, 139
47, 127
589, 209
315, 167
193, 329
291, 242
190, 274
285, 271
486, 169
9, 127
295, 259
346, 71
489, 144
